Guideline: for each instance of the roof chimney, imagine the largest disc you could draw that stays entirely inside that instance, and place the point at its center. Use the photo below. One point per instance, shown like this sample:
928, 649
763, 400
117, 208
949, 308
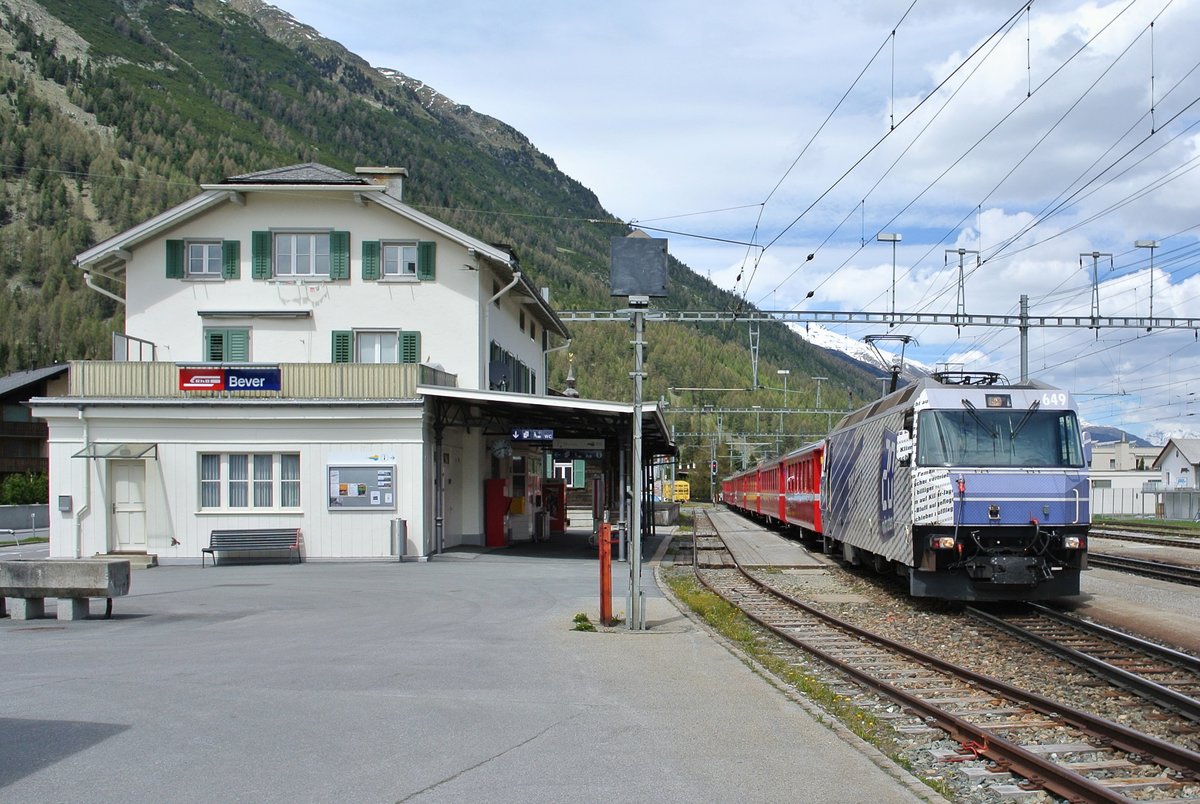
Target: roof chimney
391, 177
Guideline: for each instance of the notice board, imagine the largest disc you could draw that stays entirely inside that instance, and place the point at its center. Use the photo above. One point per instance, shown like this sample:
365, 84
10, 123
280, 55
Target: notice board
358, 487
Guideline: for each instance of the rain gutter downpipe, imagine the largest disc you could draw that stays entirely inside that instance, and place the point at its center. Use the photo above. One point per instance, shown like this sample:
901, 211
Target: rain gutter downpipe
85, 508
87, 280
487, 329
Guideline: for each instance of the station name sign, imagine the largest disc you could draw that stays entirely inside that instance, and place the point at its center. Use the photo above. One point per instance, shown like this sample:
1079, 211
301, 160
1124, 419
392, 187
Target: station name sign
229, 379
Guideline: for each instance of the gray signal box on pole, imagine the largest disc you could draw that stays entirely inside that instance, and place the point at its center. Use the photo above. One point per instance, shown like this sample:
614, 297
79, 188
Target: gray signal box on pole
639, 271
639, 266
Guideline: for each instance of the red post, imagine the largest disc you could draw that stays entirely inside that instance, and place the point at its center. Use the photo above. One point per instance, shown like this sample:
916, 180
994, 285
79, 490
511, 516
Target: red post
606, 574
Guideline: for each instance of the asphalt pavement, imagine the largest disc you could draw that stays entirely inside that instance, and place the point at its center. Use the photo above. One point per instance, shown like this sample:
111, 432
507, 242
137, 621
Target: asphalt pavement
455, 680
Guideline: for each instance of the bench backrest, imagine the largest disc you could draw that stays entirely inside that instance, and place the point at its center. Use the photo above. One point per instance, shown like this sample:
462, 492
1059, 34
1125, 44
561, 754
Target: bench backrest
255, 538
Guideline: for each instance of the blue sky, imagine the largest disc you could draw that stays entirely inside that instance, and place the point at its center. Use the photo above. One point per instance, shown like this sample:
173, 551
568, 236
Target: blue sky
797, 128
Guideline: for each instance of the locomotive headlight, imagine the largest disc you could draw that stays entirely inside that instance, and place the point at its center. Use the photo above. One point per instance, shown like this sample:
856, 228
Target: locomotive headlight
1072, 542
942, 542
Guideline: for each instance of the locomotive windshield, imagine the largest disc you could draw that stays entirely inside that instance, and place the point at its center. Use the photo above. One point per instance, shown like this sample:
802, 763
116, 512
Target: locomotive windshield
1008, 437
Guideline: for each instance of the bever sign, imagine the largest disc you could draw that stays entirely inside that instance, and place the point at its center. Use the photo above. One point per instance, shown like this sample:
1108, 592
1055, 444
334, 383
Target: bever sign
229, 379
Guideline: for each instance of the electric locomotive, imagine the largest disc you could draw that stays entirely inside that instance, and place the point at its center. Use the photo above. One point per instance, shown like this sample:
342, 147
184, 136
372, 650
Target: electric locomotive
973, 489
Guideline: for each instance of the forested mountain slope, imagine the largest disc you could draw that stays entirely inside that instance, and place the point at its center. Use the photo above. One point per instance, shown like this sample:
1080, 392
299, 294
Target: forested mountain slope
111, 112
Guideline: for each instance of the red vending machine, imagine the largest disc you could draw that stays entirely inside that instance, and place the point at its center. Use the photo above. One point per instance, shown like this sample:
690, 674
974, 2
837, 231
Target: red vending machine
495, 512
554, 498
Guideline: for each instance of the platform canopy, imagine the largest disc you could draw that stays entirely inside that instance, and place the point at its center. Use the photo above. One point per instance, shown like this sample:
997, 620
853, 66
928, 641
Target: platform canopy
498, 412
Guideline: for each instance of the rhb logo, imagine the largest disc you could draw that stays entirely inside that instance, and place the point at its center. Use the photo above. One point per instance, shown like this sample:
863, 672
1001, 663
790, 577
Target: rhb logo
201, 379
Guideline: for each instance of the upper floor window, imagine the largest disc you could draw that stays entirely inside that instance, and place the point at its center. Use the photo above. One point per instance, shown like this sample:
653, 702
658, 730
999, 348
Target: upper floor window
204, 258
302, 254
399, 259
377, 347
380, 346
207, 258
313, 254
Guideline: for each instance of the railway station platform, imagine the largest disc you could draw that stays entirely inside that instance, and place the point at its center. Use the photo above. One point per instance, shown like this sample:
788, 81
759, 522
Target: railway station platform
457, 680
755, 546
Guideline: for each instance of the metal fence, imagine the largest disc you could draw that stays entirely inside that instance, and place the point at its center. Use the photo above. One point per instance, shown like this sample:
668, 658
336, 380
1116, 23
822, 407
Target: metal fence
1181, 504
1124, 502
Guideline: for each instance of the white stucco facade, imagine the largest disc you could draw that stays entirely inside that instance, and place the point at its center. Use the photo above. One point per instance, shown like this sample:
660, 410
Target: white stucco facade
141, 463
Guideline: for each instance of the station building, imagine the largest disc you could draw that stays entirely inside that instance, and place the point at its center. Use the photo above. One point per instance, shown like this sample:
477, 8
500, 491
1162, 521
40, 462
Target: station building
302, 349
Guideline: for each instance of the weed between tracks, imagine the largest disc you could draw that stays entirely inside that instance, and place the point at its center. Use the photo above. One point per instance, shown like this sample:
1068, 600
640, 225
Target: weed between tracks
766, 650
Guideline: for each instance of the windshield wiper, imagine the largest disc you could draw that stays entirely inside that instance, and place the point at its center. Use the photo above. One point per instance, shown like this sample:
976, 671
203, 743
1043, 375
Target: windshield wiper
1012, 436
975, 415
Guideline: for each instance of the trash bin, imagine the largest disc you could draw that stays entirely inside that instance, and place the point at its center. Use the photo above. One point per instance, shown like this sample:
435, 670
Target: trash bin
399, 538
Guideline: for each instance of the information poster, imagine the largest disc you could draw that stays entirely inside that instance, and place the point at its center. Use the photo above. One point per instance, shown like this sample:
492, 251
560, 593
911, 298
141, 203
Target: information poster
358, 487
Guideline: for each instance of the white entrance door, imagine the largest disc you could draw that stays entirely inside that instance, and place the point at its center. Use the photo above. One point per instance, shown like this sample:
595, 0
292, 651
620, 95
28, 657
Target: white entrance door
129, 505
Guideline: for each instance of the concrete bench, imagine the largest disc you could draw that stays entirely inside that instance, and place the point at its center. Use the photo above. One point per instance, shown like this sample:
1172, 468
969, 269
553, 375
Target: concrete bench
28, 582
253, 540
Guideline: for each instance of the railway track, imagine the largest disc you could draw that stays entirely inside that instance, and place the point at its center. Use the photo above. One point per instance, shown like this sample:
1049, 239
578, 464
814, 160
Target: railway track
1147, 537
1068, 752
1149, 569
1161, 675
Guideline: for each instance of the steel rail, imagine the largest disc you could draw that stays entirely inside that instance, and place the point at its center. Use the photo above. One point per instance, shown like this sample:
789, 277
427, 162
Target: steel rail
1191, 663
1149, 569
1161, 537
1005, 753
1185, 705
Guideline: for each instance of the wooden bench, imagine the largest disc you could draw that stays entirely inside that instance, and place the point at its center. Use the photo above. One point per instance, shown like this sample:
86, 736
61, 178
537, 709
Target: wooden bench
253, 540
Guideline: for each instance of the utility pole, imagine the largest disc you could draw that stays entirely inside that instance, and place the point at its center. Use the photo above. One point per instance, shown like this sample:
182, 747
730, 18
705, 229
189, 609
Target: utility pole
1150, 244
961, 313
638, 271
893, 238
1096, 255
779, 434
827, 416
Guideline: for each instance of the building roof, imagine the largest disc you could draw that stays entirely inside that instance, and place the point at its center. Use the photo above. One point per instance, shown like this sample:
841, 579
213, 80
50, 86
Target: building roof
20, 380
111, 253
1188, 447
305, 173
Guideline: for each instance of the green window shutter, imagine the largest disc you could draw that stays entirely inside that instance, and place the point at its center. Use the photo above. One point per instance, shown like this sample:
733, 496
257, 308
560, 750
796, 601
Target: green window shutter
339, 255
227, 345
260, 255
174, 259
214, 345
370, 259
231, 259
410, 347
237, 345
426, 259
343, 346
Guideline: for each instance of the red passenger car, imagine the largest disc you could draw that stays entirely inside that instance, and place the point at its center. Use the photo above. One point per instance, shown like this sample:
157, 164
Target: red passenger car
785, 491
